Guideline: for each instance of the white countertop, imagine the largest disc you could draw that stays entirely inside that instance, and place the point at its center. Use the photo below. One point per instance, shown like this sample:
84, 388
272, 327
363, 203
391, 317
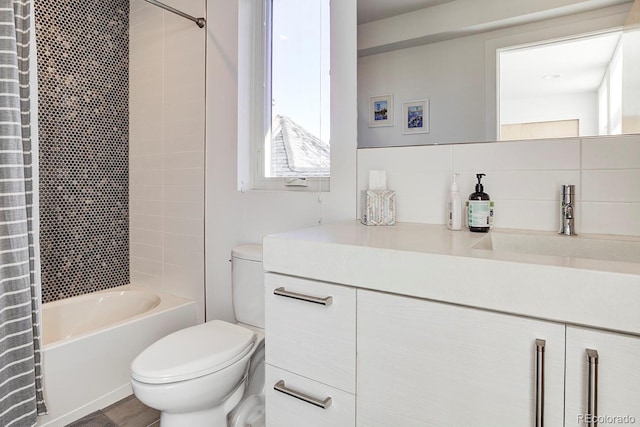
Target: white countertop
432, 262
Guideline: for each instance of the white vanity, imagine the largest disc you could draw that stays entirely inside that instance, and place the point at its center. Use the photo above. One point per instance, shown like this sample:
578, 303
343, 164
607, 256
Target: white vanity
416, 325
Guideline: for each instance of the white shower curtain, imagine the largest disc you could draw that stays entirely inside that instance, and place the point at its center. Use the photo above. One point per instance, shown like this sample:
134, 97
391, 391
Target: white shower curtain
21, 397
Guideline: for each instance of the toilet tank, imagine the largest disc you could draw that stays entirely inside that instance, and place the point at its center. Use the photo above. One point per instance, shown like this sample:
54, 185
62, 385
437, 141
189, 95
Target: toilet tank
247, 282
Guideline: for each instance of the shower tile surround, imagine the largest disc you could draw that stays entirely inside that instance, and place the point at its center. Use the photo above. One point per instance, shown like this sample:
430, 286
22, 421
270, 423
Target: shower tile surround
83, 76
167, 150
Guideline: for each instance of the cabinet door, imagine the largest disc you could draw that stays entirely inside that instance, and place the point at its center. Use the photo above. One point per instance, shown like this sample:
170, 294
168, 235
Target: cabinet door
311, 339
422, 363
616, 383
295, 401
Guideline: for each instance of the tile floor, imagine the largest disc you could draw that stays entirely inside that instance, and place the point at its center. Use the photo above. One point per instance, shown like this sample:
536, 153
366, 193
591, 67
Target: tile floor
128, 412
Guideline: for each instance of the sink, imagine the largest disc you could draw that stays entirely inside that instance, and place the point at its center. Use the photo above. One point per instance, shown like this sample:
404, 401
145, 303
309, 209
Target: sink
591, 247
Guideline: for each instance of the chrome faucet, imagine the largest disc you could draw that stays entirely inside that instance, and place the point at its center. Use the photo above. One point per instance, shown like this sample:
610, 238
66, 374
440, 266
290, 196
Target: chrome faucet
567, 213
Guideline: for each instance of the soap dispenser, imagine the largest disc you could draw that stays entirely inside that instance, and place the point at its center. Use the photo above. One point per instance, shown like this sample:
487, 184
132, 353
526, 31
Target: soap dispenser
479, 209
454, 206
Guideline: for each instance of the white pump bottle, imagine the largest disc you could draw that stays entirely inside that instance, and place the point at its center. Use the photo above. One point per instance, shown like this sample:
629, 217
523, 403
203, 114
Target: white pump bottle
454, 206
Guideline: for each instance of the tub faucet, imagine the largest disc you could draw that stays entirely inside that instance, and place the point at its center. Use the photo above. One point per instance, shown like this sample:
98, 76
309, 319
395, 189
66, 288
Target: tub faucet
567, 213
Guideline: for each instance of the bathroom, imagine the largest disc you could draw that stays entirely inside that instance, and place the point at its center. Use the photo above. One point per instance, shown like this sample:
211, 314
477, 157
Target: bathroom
186, 213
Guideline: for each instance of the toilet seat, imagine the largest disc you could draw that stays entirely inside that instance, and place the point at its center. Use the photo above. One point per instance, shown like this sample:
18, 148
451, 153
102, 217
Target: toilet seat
193, 352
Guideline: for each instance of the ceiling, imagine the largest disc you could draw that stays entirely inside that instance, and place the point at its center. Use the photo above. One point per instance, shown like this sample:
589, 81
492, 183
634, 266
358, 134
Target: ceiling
579, 63
569, 67
374, 10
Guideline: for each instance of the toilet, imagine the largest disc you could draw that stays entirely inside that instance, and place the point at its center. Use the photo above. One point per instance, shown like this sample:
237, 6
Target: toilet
212, 374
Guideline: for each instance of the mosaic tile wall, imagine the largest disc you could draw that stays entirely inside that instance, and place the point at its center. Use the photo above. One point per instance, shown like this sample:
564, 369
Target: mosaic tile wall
83, 59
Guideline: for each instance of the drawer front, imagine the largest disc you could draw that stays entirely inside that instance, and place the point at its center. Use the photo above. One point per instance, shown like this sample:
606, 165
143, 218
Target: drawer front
284, 409
310, 338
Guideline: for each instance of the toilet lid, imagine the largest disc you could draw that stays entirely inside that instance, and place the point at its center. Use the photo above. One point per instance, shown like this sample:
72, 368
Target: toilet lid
193, 352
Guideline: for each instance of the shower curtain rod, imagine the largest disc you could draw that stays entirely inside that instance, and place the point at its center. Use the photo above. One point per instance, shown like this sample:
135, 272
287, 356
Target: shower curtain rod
199, 21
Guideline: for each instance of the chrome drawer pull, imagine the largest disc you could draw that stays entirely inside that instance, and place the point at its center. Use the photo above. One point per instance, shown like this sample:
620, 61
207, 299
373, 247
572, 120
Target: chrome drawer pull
316, 300
540, 344
592, 392
324, 404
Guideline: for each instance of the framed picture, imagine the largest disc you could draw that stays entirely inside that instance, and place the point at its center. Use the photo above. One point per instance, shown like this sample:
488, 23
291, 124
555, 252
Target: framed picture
415, 116
380, 111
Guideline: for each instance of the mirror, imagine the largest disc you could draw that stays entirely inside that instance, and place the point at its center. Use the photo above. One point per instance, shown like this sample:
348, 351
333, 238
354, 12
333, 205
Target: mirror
449, 55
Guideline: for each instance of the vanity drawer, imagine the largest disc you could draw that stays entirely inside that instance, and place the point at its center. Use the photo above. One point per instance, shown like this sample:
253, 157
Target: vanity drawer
299, 402
310, 329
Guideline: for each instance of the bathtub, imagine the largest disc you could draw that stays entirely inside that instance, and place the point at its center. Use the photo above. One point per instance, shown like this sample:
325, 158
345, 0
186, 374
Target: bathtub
89, 343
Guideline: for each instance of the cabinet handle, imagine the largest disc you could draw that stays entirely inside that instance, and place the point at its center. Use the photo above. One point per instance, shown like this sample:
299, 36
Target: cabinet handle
316, 300
324, 404
540, 346
592, 391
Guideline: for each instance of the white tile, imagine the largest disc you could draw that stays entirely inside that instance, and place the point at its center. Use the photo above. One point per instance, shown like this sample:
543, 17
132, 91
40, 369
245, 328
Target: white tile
520, 185
145, 104
178, 256
526, 214
192, 7
185, 109
187, 227
187, 244
185, 159
189, 281
420, 209
420, 197
146, 127
420, 176
548, 154
152, 161
401, 159
610, 218
141, 15
183, 176
144, 145
182, 91
146, 280
611, 152
145, 266
145, 83
187, 210
145, 207
183, 137
145, 192
611, 185
145, 176
146, 252
185, 69
145, 57
184, 193
146, 222
145, 236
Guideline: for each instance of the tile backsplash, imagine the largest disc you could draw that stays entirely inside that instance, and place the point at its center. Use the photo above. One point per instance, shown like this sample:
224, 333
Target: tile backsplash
523, 178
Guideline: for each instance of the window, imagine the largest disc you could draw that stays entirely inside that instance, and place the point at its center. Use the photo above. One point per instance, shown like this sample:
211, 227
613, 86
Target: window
284, 94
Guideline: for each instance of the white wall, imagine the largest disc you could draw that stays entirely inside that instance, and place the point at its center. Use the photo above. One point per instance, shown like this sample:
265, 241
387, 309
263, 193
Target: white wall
582, 106
233, 217
631, 77
166, 150
458, 76
523, 178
